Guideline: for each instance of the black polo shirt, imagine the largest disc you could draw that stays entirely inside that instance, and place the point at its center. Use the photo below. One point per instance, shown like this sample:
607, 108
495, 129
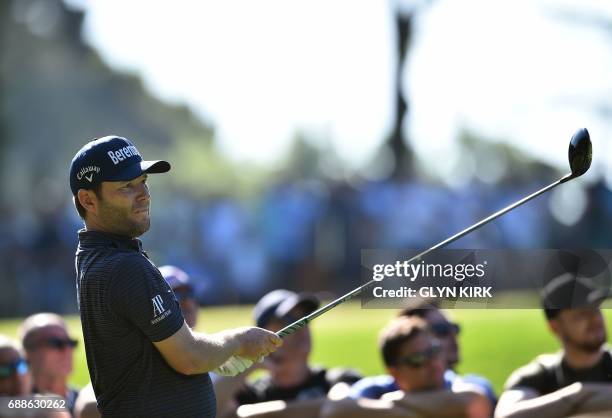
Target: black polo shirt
549, 373
125, 306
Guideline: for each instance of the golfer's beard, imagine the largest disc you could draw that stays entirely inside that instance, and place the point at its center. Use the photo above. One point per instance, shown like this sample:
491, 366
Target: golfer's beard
121, 224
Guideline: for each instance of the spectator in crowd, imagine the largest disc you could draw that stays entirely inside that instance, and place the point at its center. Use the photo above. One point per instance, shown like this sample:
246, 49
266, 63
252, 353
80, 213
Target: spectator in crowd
292, 387
576, 380
14, 376
181, 285
16, 383
446, 333
49, 351
414, 358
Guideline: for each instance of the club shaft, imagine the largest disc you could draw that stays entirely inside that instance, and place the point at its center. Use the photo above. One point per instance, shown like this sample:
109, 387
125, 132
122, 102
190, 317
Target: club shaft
300, 323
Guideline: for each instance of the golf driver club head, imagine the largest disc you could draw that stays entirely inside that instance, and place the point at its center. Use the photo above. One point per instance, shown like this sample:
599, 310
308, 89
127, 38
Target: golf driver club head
580, 153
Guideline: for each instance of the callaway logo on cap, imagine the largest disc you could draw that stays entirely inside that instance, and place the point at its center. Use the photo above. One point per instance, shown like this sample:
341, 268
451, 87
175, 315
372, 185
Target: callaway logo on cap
111, 158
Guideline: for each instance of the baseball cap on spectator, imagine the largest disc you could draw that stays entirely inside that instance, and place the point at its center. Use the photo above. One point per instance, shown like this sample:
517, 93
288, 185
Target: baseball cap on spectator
177, 279
111, 158
175, 276
568, 292
278, 303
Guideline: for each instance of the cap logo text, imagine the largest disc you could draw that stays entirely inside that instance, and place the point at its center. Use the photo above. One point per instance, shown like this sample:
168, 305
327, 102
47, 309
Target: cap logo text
89, 169
122, 154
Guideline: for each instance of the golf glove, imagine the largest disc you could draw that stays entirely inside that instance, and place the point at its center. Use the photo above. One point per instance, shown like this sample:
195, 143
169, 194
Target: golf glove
233, 366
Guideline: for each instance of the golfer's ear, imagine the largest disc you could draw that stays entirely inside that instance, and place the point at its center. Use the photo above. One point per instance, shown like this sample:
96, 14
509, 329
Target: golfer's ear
87, 199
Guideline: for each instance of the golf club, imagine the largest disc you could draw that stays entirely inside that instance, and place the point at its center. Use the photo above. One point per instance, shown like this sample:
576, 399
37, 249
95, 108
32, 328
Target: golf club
580, 156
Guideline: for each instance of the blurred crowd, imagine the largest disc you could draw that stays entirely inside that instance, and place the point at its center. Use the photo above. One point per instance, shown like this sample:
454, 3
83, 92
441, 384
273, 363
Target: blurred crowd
298, 235
419, 348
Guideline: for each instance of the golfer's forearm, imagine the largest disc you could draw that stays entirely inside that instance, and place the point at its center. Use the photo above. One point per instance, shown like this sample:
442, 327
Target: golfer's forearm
190, 352
209, 351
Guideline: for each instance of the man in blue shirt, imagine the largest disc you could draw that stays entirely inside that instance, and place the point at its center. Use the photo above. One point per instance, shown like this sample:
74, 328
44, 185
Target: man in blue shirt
446, 332
415, 361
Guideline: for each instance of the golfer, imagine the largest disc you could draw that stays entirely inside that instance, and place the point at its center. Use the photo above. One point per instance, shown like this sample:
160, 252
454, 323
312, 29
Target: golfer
143, 359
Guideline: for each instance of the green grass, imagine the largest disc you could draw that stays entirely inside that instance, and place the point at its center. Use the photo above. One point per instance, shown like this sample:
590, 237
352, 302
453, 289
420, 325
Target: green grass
493, 342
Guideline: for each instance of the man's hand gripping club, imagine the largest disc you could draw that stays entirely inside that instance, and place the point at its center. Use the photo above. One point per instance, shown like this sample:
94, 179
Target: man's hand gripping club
255, 344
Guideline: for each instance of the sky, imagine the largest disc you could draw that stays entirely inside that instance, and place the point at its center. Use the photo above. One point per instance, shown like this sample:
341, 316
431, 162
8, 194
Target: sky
518, 71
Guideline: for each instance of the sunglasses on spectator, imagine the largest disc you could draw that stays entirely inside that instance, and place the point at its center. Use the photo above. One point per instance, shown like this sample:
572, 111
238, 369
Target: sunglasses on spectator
57, 343
444, 329
20, 366
420, 358
184, 293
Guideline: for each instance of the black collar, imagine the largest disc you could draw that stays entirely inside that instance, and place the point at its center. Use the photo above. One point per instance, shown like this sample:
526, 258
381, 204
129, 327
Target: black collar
99, 238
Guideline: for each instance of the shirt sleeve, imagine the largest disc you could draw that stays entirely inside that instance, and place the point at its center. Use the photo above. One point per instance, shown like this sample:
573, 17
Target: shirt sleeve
139, 294
532, 376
